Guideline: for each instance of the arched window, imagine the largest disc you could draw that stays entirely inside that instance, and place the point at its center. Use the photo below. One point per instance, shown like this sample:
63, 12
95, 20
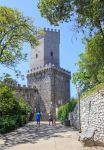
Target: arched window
36, 55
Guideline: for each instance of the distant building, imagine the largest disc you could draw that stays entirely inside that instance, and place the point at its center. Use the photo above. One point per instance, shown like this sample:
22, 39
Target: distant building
45, 73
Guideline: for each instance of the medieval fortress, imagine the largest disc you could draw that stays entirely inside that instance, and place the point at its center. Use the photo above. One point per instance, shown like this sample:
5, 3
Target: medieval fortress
48, 83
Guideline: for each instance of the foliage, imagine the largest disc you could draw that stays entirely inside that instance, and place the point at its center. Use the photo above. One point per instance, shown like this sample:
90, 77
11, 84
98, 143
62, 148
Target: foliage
24, 108
64, 110
54, 10
15, 29
11, 122
13, 113
91, 64
89, 16
86, 13
92, 90
8, 80
8, 103
7, 123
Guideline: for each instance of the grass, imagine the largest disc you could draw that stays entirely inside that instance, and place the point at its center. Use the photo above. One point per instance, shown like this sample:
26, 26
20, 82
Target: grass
93, 90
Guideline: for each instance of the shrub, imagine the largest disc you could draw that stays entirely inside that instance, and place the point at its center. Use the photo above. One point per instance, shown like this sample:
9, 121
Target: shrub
13, 113
63, 111
24, 109
7, 123
8, 103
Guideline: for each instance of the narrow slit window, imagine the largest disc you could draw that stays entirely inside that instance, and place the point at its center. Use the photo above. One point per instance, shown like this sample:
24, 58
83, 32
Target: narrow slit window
51, 54
36, 55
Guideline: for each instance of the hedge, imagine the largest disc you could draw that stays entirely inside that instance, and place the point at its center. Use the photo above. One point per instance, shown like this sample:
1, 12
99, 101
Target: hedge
13, 112
9, 123
64, 110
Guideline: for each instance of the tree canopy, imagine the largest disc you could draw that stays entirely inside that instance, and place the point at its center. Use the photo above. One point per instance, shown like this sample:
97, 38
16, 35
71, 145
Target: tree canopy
91, 63
86, 13
8, 80
15, 29
13, 113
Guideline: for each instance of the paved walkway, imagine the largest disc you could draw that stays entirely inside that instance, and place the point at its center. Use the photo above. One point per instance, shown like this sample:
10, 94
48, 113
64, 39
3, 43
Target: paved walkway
46, 137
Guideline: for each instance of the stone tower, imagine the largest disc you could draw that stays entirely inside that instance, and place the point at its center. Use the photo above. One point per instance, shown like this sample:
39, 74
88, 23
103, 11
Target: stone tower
52, 82
48, 50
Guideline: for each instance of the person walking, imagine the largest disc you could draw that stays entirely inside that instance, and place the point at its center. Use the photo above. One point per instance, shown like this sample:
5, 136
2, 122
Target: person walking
54, 120
38, 118
50, 118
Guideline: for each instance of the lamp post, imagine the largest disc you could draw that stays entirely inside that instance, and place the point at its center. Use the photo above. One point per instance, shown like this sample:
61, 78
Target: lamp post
60, 102
51, 106
78, 92
35, 109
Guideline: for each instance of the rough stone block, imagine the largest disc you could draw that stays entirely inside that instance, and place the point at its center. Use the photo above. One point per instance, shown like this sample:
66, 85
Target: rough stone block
87, 137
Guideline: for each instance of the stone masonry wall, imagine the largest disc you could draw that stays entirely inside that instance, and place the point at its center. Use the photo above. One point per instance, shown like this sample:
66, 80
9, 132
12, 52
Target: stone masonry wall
42, 81
31, 96
52, 81
53, 84
60, 87
92, 115
47, 51
74, 117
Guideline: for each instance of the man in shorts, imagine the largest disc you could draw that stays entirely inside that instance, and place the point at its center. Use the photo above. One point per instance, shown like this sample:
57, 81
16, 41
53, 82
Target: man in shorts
38, 118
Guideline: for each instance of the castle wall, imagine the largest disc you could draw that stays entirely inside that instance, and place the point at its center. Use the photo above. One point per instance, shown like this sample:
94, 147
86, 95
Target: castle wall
91, 115
52, 84
31, 96
43, 83
37, 55
51, 47
60, 87
47, 51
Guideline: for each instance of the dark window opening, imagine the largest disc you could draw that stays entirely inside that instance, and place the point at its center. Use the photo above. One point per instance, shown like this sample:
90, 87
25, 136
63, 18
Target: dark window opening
36, 55
51, 54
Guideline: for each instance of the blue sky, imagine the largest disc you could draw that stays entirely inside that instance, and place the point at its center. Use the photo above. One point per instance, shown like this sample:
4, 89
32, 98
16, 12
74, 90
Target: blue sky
70, 46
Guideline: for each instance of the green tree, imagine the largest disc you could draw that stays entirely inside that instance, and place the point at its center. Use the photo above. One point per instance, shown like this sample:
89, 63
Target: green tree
89, 16
91, 63
8, 80
86, 13
8, 103
24, 108
15, 29
13, 112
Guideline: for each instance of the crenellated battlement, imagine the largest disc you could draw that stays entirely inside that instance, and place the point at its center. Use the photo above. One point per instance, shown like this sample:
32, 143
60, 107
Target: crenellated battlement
48, 67
51, 30
22, 87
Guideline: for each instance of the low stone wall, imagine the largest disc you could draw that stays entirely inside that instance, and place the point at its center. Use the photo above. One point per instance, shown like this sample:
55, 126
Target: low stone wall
74, 117
92, 115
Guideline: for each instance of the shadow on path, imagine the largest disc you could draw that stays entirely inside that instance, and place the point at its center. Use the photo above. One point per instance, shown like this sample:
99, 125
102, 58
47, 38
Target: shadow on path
30, 133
